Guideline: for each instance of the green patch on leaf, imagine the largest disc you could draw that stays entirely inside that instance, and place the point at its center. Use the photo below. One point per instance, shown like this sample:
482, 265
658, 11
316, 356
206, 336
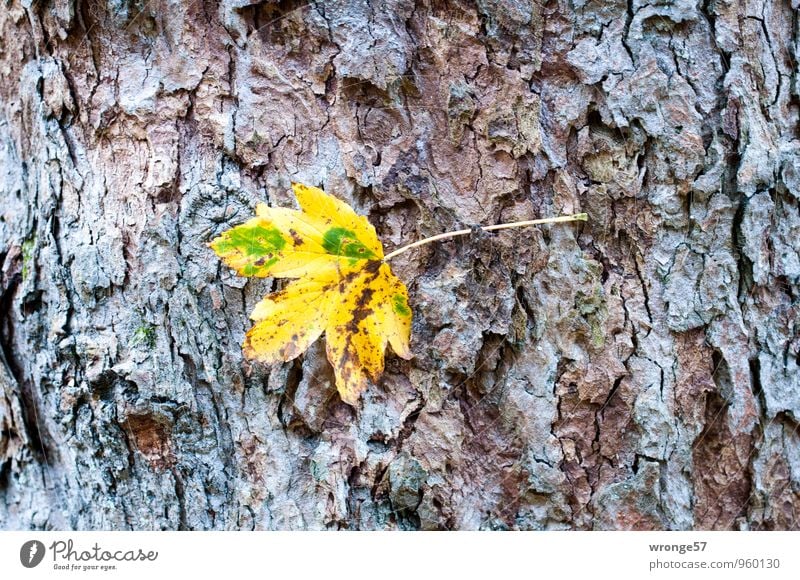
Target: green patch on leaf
400, 305
344, 242
252, 247
252, 240
253, 269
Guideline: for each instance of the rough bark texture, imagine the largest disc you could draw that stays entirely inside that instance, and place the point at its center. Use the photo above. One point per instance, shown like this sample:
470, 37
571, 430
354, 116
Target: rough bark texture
636, 372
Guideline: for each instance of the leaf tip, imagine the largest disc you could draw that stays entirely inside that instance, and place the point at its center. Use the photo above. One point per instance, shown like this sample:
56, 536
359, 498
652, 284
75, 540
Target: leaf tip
404, 354
213, 243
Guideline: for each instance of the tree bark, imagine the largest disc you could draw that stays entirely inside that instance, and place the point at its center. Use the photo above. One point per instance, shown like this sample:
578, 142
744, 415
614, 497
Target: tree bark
639, 371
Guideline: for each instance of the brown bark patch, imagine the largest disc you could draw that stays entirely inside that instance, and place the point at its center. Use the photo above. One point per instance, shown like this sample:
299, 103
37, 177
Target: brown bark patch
151, 438
721, 472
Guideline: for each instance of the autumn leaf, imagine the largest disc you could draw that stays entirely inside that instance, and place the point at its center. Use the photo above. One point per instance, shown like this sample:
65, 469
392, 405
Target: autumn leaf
343, 288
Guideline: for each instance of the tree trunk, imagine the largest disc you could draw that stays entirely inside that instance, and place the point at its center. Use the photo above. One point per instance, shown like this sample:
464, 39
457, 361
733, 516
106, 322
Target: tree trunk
639, 371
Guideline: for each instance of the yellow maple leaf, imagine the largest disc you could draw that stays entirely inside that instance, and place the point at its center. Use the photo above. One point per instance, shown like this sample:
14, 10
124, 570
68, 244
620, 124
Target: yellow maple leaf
344, 287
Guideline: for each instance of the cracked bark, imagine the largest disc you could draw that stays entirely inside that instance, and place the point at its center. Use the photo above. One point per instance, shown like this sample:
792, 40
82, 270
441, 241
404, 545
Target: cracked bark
636, 372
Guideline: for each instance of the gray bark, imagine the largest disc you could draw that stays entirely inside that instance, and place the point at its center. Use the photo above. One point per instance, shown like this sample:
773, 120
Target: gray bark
639, 371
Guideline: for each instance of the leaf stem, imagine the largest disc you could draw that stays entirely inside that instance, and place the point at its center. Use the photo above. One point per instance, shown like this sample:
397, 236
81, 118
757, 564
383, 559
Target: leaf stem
564, 218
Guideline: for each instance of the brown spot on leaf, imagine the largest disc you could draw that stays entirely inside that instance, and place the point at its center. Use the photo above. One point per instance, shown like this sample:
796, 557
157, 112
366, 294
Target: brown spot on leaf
296, 237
